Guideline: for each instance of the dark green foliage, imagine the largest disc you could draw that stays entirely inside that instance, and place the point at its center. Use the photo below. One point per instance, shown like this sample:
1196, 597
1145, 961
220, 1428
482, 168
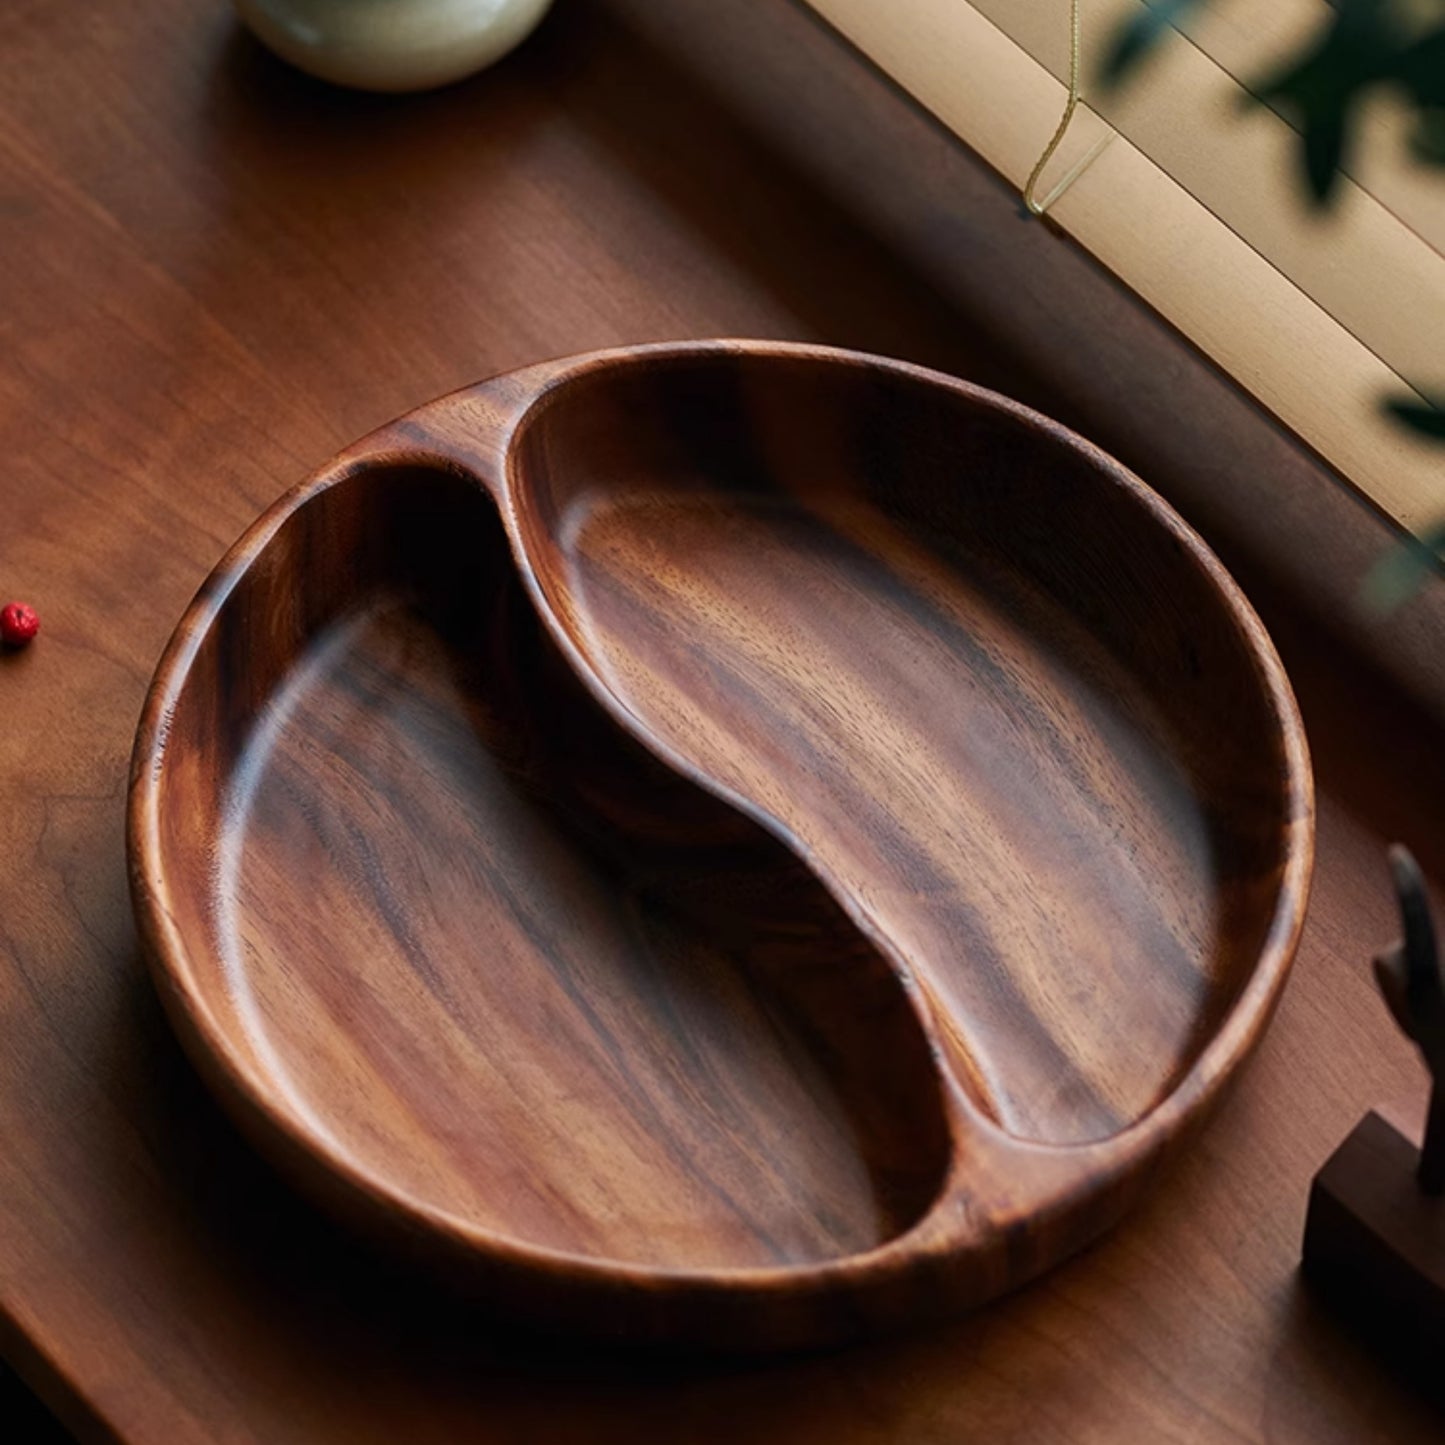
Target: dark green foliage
1427, 417
1138, 36
1365, 47
1398, 575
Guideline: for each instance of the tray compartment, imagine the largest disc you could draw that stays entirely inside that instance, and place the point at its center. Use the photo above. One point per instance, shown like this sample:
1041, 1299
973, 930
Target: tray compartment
499, 957
968, 670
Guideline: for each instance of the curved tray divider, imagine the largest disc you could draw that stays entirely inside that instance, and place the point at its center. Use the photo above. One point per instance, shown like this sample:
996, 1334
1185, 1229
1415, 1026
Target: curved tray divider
1029, 1198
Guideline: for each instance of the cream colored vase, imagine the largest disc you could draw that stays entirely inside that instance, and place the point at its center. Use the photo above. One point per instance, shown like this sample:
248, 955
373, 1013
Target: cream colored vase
391, 44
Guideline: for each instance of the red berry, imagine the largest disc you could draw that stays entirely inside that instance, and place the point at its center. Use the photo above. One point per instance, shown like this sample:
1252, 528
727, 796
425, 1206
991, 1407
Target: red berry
18, 624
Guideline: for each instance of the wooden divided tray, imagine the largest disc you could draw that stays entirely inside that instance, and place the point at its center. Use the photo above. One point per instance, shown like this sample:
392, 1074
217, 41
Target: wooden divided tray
731, 843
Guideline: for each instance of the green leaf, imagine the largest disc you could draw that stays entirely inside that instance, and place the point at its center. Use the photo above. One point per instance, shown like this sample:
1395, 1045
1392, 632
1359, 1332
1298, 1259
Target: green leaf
1420, 68
1320, 90
1400, 573
1427, 143
1138, 35
1325, 138
1426, 417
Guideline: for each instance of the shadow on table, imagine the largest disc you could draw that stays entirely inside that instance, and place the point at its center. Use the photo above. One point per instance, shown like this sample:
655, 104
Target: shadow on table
645, 89
1323, 1338
24, 1418
313, 1276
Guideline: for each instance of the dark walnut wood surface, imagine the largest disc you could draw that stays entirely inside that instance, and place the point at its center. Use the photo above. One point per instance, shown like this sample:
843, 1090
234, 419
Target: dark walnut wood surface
216, 274
731, 843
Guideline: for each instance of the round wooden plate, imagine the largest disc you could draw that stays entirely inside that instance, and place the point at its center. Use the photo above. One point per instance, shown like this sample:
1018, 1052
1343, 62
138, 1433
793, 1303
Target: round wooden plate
734, 843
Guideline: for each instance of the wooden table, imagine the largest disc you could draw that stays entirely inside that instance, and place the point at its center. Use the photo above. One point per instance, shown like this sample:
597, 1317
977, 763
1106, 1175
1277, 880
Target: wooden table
212, 274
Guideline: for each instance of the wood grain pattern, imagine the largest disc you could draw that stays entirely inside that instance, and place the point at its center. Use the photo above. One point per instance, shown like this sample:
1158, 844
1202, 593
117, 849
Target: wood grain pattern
212, 276
459, 951
893, 833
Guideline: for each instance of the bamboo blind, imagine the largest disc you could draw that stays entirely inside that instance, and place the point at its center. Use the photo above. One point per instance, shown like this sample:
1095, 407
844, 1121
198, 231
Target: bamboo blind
1192, 197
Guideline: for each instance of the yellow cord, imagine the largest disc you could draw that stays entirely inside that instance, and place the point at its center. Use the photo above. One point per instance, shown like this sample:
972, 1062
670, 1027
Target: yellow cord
1036, 207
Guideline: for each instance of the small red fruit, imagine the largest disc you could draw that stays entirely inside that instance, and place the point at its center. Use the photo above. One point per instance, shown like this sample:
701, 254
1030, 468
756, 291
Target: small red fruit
18, 624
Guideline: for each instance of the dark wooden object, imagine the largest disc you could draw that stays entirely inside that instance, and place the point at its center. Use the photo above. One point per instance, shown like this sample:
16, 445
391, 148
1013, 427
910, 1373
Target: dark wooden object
1375, 1232
1413, 983
1375, 1241
886, 837
214, 276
